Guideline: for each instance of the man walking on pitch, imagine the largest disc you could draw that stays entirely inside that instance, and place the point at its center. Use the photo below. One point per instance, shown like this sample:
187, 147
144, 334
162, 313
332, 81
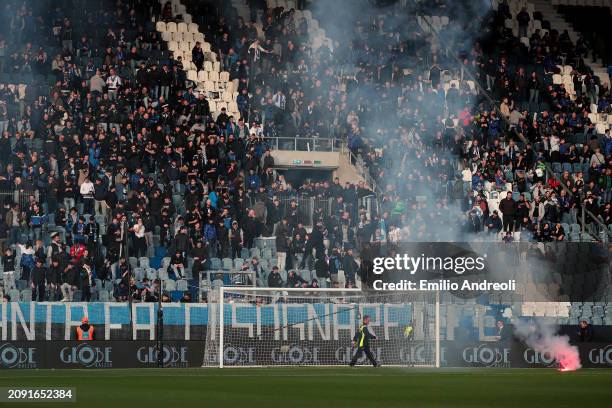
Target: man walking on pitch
362, 342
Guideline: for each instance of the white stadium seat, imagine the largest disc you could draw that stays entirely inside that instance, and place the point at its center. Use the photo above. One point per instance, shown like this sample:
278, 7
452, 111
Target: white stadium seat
192, 75
171, 26
209, 86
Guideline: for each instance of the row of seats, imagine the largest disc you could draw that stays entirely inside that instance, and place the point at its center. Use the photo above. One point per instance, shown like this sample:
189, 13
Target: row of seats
97, 295
216, 85
437, 23
180, 37
570, 167
316, 34
16, 87
559, 309
172, 27
208, 74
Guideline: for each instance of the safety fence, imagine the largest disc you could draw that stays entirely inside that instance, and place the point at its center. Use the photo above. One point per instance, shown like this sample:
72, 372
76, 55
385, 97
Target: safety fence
20, 196
307, 206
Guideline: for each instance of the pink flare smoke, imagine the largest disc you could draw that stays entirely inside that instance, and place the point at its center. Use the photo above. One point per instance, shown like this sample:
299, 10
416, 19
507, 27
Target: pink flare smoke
559, 348
544, 339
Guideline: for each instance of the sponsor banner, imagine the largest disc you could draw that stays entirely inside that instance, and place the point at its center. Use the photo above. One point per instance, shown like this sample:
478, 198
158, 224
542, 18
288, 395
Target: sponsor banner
99, 354
252, 352
177, 354
596, 355
20, 355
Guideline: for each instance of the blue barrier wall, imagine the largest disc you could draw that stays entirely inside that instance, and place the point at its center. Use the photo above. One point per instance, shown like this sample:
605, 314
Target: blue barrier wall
195, 313
56, 320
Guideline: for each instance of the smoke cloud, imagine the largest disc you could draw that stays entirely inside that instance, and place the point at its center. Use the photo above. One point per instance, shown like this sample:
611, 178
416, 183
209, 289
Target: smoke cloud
410, 124
544, 339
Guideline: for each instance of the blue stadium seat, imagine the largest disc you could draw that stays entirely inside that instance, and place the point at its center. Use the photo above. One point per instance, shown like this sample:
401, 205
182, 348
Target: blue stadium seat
26, 295
14, 295
266, 253
585, 167
152, 273
162, 274
244, 253
143, 262
215, 263
306, 275
155, 262
567, 167
176, 295
103, 295
182, 285
139, 273
587, 311
160, 251
228, 263
586, 237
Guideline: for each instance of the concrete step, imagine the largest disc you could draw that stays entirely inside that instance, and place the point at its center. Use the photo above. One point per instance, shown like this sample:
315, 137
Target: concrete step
558, 22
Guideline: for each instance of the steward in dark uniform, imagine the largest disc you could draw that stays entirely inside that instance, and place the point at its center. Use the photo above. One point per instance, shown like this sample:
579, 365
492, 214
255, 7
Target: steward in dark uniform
362, 342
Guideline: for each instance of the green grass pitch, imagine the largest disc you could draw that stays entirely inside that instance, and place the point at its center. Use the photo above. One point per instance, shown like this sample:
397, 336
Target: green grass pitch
322, 387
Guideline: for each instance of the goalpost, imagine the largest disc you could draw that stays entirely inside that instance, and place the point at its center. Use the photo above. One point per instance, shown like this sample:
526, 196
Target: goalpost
255, 327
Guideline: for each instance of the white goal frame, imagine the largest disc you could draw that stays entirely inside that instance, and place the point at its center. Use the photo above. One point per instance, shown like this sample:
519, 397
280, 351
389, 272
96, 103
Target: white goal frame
222, 290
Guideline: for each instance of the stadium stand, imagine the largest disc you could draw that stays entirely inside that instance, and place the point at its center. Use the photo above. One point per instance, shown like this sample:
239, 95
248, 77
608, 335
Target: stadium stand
135, 141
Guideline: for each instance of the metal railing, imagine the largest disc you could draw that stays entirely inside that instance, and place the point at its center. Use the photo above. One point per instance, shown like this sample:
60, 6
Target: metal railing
306, 206
304, 144
321, 144
18, 196
361, 167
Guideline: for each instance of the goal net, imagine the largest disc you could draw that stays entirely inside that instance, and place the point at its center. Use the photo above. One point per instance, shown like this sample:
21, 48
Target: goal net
285, 327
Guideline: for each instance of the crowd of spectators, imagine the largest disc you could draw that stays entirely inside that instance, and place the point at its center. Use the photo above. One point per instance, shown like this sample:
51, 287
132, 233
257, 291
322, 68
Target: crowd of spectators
112, 163
470, 113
